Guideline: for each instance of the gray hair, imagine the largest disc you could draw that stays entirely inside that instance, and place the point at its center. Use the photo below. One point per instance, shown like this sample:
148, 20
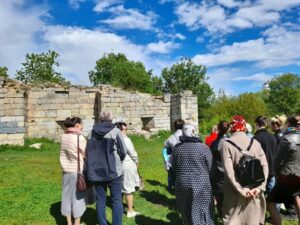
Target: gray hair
189, 130
106, 116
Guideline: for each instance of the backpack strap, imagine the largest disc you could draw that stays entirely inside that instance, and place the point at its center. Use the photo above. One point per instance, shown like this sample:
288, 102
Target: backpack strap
232, 143
237, 147
250, 145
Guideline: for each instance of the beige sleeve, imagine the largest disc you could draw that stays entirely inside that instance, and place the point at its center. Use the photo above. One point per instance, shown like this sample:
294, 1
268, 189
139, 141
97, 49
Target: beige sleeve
229, 169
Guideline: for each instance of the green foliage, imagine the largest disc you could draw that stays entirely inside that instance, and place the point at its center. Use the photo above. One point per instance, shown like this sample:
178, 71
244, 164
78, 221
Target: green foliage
117, 70
185, 75
39, 68
250, 105
3, 72
283, 96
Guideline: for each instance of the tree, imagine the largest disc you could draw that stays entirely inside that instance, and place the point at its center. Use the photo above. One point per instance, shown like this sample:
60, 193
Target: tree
283, 95
39, 68
250, 105
117, 70
3, 71
185, 75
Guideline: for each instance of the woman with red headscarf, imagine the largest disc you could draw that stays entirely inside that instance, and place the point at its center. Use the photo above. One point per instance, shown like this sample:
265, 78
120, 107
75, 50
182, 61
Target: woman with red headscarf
241, 205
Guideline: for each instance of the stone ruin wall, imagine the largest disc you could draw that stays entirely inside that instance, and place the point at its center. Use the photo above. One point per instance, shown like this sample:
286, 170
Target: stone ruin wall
39, 111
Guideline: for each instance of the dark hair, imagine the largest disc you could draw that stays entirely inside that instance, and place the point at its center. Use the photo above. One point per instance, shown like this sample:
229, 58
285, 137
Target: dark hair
119, 125
261, 121
71, 122
178, 124
293, 121
223, 127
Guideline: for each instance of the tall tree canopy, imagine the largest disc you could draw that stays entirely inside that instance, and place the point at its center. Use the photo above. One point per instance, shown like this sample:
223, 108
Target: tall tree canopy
39, 68
185, 75
283, 95
117, 70
3, 71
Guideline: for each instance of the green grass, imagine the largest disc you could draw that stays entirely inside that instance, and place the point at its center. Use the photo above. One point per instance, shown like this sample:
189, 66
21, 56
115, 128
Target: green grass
30, 189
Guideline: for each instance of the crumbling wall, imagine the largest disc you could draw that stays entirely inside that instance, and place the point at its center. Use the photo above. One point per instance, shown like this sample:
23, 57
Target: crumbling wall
141, 111
39, 110
48, 107
12, 114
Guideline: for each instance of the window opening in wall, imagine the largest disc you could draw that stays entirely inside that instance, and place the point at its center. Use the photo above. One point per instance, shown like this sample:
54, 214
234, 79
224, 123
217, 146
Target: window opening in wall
62, 93
148, 123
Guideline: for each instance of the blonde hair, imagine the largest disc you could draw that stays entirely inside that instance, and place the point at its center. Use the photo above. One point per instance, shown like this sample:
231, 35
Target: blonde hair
279, 120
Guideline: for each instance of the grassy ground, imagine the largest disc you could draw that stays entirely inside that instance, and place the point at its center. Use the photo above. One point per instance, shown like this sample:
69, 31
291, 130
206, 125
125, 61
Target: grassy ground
30, 187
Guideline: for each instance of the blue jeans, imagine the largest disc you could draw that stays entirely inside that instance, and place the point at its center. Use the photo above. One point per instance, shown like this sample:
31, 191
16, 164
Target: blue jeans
116, 198
270, 184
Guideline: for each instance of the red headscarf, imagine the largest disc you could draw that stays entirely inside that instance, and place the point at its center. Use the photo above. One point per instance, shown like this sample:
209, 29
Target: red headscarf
238, 123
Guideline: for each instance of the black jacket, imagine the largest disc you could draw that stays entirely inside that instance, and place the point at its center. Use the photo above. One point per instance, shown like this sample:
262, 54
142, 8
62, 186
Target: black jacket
288, 159
269, 144
105, 151
218, 173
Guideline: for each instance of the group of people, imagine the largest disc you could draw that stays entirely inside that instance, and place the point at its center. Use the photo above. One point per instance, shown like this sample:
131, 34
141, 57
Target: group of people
202, 176
205, 175
108, 159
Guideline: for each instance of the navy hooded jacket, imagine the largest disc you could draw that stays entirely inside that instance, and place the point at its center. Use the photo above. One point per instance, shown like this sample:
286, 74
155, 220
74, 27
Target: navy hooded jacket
105, 151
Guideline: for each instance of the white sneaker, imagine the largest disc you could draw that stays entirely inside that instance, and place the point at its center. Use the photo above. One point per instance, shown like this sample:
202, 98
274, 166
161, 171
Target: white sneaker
132, 214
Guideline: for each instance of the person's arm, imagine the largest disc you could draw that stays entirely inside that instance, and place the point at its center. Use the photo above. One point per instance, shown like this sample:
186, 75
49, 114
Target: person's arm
264, 163
131, 151
281, 154
229, 170
82, 145
121, 147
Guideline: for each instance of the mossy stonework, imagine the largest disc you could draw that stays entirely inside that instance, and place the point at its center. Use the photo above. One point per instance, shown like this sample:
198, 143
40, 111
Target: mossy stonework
39, 110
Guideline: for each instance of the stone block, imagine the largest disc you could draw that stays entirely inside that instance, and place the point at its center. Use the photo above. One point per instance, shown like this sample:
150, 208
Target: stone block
51, 113
3, 136
15, 136
8, 131
20, 130
7, 119
63, 114
11, 124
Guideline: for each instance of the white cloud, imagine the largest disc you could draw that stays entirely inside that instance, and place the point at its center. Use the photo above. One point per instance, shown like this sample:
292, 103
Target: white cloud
103, 5
18, 32
200, 39
75, 4
130, 19
80, 48
280, 46
218, 18
257, 77
232, 3
162, 47
180, 36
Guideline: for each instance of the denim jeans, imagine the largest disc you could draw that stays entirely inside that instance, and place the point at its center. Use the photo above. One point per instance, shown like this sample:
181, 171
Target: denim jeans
116, 198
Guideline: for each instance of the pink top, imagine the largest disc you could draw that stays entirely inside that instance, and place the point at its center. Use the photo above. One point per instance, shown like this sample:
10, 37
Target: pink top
68, 152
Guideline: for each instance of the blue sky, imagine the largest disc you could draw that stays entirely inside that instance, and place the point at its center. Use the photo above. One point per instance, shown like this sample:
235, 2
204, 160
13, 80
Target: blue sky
242, 43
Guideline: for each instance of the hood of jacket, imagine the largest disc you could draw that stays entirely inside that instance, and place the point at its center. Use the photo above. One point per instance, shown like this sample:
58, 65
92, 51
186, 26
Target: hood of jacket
100, 129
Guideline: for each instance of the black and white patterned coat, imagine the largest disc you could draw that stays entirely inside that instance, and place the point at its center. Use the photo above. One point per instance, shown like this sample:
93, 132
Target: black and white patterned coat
192, 162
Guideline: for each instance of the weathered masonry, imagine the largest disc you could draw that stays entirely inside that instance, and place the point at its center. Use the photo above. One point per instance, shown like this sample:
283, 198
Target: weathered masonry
39, 110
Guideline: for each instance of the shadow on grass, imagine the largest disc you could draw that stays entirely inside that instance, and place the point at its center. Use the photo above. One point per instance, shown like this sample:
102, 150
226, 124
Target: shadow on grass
89, 217
159, 199
156, 183
173, 218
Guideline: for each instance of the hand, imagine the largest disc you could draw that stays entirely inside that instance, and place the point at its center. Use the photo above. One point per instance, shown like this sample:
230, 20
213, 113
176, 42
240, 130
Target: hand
256, 192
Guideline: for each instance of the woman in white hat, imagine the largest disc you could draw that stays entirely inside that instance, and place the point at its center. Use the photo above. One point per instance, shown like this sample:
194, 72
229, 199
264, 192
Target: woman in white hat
131, 178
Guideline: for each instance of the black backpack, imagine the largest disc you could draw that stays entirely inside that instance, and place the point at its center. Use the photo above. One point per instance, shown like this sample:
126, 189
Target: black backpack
249, 171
